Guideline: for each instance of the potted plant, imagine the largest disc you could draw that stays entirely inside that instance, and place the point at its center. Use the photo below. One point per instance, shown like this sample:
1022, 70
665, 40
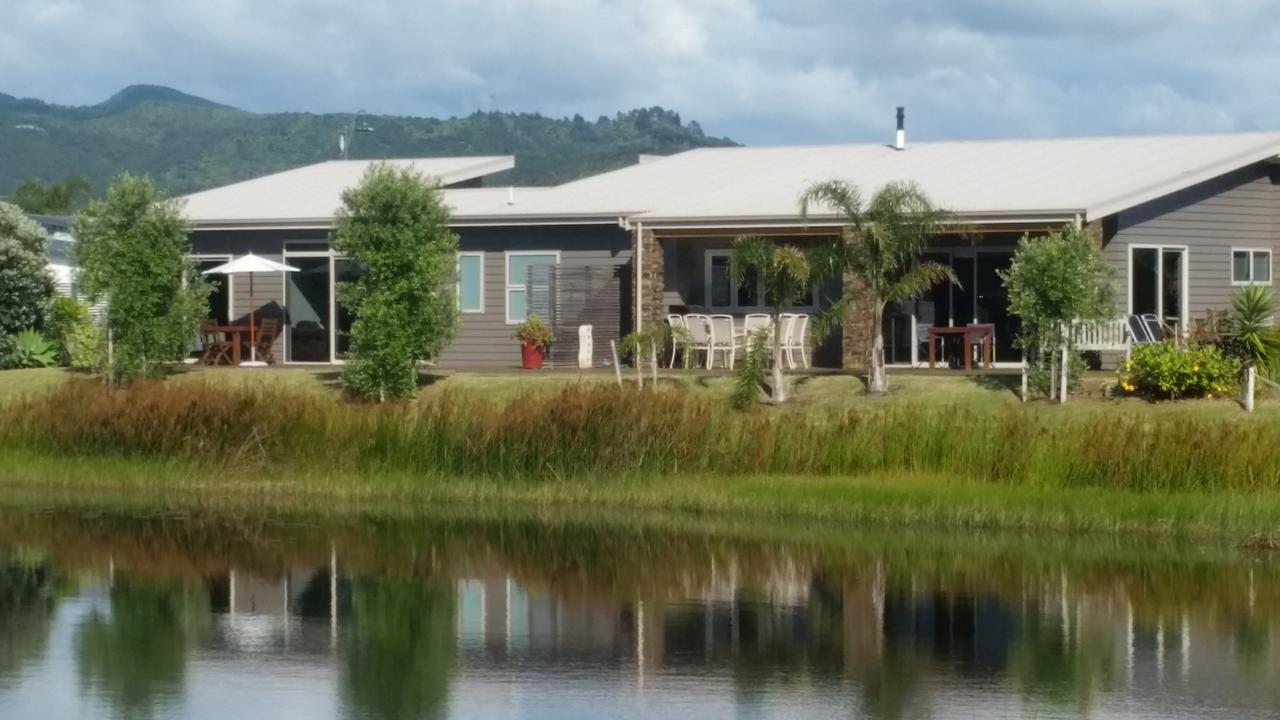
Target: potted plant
535, 337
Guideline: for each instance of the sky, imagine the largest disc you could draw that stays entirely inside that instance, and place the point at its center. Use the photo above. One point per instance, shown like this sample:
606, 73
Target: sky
758, 71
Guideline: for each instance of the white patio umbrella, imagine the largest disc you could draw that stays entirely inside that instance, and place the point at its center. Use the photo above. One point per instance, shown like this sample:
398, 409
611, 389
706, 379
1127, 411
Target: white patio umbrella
248, 265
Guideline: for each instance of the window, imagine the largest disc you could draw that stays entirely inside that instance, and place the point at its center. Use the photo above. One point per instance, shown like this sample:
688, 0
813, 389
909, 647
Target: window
1250, 267
518, 264
723, 293
471, 282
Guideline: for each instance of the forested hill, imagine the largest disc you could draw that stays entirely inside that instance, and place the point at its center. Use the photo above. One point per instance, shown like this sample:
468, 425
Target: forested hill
188, 143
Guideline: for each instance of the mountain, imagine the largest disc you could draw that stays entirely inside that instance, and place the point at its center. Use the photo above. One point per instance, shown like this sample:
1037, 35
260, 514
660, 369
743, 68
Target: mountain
189, 143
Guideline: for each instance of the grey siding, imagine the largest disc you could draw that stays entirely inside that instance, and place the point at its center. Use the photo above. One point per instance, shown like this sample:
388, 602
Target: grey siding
483, 339
1240, 209
486, 339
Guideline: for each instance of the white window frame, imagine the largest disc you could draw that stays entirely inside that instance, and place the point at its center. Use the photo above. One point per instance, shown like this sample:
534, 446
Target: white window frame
231, 279
1251, 251
1184, 315
509, 286
332, 318
458, 288
733, 288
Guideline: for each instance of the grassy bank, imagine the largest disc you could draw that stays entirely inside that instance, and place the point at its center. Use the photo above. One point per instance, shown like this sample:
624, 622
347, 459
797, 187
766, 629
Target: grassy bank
674, 450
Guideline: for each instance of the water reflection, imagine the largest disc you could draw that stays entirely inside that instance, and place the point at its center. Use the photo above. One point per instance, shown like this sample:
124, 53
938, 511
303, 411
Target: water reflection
173, 618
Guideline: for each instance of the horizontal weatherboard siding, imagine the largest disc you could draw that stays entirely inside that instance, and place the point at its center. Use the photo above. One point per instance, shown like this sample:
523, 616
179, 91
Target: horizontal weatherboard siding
1237, 210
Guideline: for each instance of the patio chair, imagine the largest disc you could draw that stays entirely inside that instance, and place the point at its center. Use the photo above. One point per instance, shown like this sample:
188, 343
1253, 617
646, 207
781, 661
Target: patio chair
699, 327
723, 340
1139, 334
1156, 329
796, 339
753, 323
787, 329
677, 323
265, 337
214, 349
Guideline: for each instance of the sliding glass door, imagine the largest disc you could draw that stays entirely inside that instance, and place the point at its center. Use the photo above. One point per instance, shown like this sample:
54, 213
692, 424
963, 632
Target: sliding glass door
1157, 283
308, 307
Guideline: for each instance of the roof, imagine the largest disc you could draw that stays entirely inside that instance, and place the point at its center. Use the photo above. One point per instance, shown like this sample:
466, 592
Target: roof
1049, 180
313, 193
1053, 178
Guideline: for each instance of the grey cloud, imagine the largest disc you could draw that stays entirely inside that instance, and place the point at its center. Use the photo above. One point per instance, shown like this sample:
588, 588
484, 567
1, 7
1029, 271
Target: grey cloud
756, 70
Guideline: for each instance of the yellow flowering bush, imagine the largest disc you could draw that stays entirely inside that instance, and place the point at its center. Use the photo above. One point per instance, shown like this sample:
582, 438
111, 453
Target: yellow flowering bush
1164, 370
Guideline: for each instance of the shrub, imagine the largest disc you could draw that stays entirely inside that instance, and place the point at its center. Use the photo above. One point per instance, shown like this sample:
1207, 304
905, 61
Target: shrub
72, 331
134, 253
31, 349
1164, 370
25, 282
395, 227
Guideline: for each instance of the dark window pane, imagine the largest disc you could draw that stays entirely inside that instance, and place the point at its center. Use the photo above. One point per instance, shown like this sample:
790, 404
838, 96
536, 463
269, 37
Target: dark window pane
1240, 266
1171, 268
719, 292
1143, 294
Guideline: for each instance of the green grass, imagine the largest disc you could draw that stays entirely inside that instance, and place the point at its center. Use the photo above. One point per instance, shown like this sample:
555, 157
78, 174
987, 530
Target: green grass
904, 500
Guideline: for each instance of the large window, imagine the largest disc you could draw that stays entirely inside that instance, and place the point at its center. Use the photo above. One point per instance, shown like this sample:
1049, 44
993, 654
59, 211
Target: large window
722, 293
1250, 266
471, 282
518, 265
1157, 278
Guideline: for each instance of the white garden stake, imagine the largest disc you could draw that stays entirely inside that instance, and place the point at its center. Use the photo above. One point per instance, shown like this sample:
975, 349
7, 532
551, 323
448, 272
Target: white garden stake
1250, 375
1062, 389
617, 369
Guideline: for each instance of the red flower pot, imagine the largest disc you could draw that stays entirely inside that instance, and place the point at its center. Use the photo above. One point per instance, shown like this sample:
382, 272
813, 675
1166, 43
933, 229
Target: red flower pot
531, 355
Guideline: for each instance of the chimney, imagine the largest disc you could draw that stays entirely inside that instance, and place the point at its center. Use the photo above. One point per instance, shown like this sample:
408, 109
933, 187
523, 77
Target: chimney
900, 142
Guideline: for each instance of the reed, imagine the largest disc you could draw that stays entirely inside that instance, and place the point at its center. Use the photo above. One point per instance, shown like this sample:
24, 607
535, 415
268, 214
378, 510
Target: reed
595, 433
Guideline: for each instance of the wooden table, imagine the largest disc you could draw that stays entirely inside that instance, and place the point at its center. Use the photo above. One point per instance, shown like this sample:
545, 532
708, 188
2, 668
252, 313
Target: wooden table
986, 331
235, 334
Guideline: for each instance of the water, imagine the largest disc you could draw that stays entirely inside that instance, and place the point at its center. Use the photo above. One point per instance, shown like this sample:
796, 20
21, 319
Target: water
108, 616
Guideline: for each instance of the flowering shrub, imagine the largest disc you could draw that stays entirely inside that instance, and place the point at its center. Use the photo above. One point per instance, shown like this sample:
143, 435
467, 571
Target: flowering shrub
1164, 370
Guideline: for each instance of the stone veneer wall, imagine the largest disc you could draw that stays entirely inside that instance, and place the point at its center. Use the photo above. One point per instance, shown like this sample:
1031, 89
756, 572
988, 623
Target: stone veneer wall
652, 310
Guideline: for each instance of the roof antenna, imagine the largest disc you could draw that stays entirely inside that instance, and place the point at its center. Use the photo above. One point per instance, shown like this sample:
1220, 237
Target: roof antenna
900, 142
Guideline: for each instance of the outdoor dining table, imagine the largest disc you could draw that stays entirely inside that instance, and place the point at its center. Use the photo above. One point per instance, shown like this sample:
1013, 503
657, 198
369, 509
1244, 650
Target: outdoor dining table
986, 331
235, 334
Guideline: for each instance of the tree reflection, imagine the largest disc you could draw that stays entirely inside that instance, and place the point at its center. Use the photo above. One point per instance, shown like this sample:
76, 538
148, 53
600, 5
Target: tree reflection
399, 648
1051, 666
26, 613
135, 657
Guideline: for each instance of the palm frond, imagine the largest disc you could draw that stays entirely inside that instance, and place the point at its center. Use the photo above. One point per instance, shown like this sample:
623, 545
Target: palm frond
752, 255
917, 280
841, 197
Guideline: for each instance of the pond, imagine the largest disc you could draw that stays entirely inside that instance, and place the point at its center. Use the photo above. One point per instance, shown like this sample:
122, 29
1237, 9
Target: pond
205, 616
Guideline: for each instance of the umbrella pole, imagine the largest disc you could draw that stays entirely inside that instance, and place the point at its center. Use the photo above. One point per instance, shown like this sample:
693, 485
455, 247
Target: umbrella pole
253, 340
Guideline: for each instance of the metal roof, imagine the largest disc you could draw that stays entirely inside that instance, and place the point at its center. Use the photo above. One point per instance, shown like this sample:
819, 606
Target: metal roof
1049, 180
1052, 178
313, 193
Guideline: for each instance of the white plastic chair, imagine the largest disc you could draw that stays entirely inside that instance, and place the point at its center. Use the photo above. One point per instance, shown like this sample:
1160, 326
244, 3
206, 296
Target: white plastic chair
754, 323
677, 322
798, 341
723, 340
788, 321
699, 327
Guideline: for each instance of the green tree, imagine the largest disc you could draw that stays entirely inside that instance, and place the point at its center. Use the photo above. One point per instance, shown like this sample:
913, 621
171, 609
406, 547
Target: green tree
1053, 281
787, 275
1251, 324
136, 655
399, 648
25, 282
882, 241
58, 198
133, 251
395, 227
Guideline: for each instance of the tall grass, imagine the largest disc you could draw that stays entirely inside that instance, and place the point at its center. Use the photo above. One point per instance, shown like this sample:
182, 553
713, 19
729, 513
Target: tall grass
596, 433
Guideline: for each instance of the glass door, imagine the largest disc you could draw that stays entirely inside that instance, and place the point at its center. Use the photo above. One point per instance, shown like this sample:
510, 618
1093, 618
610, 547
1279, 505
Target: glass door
991, 303
308, 307
1156, 284
219, 308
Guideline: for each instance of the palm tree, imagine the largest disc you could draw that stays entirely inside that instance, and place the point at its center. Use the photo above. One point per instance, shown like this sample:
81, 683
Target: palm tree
787, 275
882, 243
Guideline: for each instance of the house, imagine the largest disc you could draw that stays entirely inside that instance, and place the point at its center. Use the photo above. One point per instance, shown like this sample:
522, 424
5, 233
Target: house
1183, 220
61, 242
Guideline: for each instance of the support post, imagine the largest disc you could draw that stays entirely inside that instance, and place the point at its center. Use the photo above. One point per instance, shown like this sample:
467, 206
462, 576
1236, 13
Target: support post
1250, 380
653, 357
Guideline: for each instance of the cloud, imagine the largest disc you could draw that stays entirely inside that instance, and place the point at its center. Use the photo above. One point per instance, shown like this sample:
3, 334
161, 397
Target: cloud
756, 70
